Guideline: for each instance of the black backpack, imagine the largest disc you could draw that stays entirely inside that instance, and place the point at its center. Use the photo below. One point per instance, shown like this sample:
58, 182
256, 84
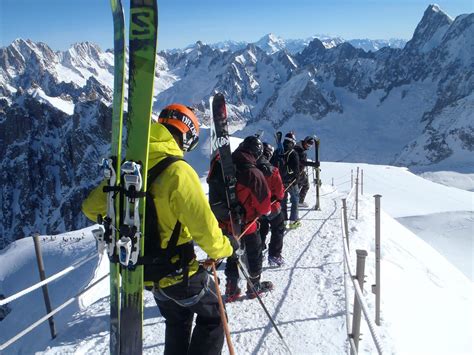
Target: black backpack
218, 194
157, 261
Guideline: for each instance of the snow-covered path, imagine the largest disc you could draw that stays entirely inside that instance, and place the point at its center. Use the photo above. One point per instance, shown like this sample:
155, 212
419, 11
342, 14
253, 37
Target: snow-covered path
308, 300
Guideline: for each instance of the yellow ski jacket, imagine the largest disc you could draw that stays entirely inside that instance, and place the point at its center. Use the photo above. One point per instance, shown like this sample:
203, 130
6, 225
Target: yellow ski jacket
178, 195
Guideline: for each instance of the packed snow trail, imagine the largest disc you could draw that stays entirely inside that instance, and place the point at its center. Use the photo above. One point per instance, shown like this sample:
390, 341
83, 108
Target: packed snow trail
308, 300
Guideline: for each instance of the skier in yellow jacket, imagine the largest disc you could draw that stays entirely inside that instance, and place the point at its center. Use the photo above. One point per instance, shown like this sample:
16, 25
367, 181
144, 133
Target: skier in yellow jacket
178, 197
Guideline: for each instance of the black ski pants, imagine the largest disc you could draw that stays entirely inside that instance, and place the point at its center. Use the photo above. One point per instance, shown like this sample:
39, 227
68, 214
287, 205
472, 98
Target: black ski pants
277, 227
303, 183
253, 253
207, 337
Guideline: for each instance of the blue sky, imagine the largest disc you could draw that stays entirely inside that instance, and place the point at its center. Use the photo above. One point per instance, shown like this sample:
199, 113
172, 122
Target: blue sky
59, 23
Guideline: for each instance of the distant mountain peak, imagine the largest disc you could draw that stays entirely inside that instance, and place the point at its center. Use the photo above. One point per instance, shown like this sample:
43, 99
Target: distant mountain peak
430, 31
271, 43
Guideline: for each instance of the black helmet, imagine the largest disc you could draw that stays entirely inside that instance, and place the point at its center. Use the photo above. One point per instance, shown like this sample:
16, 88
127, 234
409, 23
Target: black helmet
290, 136
268, 150
308, 140
253, 145
289, 141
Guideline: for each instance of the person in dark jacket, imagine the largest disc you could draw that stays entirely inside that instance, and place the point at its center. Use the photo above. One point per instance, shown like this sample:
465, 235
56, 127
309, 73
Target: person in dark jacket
289, 167
303, 182
254, 196
275, 220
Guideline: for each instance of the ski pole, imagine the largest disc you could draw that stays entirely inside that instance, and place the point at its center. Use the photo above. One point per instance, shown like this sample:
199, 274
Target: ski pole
256, 219
222, 311
247, 277
251, 224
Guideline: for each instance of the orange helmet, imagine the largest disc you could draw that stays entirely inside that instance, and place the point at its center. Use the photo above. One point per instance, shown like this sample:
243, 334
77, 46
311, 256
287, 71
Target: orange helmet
185, 121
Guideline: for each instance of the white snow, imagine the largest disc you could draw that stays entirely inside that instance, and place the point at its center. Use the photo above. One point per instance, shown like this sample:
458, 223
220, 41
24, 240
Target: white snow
67, 106
451, 178
426, 297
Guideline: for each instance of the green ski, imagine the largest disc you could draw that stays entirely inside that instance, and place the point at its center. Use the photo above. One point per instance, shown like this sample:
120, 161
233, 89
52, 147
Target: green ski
142, 54
116, 146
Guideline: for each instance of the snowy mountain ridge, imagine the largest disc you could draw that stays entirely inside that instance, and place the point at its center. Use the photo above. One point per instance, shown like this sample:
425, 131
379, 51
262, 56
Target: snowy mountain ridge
272, 43
410, 107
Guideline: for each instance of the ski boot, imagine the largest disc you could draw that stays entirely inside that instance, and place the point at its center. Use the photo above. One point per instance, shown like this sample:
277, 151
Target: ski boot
303, 204
232, 290
294, 224
275, 261
259, 287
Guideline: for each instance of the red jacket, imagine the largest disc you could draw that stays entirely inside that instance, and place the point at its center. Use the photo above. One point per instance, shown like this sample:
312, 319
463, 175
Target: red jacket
274, 181
251, 188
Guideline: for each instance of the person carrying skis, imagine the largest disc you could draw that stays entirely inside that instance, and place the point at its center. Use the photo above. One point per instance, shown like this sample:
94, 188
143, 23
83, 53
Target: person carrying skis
275, 220
183, 211
303, 182
288, 164
254, 196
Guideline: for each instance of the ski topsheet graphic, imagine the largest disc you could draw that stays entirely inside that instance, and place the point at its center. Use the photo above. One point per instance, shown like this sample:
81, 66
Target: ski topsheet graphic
142, 54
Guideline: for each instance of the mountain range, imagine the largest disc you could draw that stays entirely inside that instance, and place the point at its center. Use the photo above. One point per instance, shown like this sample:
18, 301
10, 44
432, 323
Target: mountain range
408, 105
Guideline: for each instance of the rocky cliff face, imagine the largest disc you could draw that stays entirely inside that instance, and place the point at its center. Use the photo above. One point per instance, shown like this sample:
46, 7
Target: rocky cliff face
407, 106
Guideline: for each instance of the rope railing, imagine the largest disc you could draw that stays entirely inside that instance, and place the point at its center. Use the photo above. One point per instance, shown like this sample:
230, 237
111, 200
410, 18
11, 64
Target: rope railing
358, 291
46, 281
360, 295
351, 207
45, 318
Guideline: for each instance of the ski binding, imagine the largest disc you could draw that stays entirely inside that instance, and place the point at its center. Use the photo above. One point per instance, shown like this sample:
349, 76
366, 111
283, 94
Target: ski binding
129, 243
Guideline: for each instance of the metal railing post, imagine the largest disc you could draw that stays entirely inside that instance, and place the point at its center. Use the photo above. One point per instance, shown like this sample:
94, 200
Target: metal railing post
360, 270
376, 287
42, 275
346, 224
357, 194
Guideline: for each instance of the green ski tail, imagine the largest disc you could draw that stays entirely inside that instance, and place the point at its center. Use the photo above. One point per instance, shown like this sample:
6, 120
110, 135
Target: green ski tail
142, 53
116, 147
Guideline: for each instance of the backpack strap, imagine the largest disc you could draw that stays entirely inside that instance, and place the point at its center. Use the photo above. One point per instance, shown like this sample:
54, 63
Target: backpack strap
170, 250
154, 172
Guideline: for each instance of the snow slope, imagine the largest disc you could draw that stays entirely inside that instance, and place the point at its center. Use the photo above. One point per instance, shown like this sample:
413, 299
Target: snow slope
418, 283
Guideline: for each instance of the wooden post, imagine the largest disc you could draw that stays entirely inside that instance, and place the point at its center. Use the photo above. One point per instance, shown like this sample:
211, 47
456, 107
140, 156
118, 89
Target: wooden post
352, 178
357, 194
346, 224
360, 270
332, 182
47, 302
376, 287
362, 181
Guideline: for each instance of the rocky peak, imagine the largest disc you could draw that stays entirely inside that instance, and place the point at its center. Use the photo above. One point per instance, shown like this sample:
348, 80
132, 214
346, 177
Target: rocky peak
270, 43
430, 31
21, 54
312, 52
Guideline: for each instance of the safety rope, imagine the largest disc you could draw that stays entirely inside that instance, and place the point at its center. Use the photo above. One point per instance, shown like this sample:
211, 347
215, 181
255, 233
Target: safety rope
45, 318
47, 280
358, 292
